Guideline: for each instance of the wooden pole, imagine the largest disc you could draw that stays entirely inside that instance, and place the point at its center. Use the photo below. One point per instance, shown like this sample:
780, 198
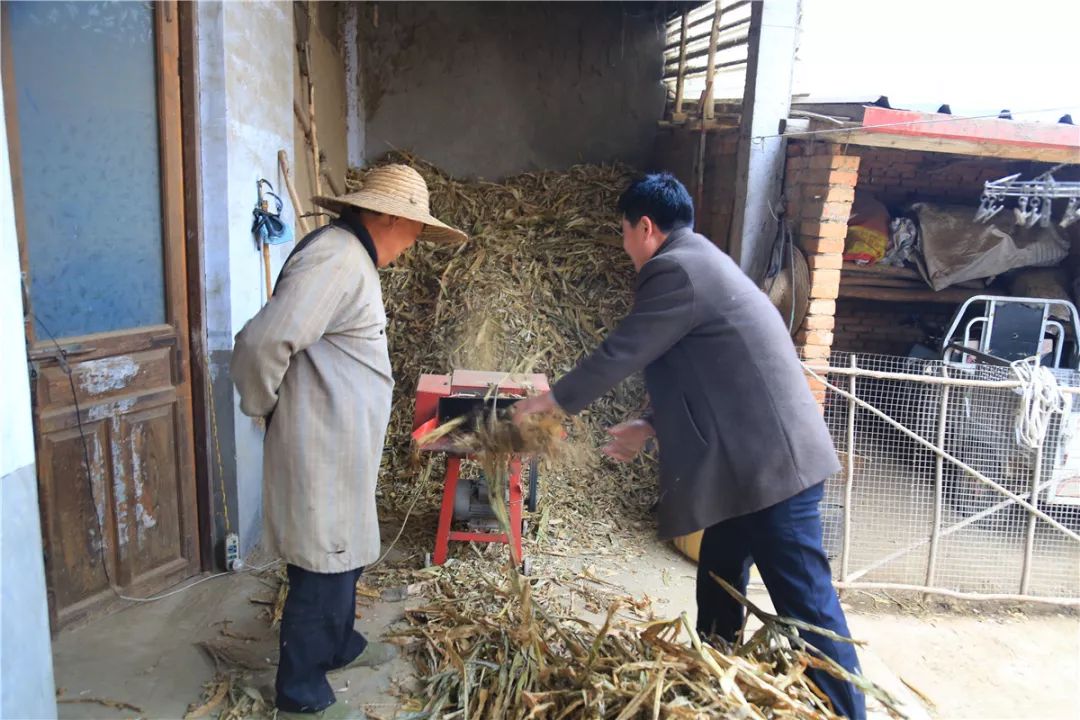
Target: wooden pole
317, 184
331, 181
710, 69
302, 119
283, 164
680, 80
266, 269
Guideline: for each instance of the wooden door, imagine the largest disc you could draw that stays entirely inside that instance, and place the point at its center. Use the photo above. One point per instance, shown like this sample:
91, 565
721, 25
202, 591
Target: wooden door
92, 100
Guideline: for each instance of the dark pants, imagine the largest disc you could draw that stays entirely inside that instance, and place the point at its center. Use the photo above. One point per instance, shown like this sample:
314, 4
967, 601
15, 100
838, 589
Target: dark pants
785, 542
316, 636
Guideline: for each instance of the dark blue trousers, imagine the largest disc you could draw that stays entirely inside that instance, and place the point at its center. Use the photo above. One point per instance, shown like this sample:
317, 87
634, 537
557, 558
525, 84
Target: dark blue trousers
784, 540
317, 636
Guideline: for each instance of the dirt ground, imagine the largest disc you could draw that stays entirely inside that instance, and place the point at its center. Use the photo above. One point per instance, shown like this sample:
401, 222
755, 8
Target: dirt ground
1006, 663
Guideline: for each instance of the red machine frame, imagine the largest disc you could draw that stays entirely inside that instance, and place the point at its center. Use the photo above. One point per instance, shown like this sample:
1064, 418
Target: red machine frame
470, 383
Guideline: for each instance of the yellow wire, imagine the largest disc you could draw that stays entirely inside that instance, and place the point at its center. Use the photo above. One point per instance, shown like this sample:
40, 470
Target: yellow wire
217, 442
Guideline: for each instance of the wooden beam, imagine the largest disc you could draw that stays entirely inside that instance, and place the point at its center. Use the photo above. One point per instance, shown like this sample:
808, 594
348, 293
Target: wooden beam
879, 269
682, 69
982, 137
881, 281
710, 71
974, 148
948, 296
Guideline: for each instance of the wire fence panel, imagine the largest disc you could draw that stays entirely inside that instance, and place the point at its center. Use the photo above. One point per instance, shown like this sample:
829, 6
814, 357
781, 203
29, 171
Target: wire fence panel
901, 514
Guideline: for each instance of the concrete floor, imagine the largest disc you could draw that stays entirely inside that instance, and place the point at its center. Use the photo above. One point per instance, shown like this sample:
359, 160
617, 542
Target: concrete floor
148, 655
970, 667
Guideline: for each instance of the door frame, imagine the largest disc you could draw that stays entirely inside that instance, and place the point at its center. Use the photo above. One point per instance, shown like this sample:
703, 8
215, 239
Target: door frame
201, 379
176, 65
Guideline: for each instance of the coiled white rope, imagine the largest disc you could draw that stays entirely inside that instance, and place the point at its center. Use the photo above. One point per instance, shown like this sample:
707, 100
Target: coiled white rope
1040, 400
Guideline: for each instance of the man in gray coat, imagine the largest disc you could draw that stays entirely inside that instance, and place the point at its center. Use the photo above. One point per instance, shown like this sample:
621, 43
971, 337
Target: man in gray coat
744, 450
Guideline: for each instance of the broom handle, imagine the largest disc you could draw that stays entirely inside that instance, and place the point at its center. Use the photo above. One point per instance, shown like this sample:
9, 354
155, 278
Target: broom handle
266, 268
283, 163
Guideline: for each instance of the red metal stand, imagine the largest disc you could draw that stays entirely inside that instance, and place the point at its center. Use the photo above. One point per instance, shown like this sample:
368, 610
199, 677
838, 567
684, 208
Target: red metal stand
446, 515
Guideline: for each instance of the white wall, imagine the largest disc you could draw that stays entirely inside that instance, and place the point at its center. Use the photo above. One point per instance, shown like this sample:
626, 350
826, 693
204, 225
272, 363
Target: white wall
26, 676
246, 91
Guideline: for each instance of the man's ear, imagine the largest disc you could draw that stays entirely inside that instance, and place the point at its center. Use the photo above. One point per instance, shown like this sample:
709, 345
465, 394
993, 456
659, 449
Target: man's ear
647, 225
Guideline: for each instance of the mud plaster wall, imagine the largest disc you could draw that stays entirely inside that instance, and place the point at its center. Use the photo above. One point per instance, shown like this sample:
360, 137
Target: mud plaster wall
328, 74
491, 89
26, 673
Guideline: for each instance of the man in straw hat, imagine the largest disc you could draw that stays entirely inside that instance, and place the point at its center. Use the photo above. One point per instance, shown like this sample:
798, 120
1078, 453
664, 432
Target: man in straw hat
744, 450
314, 363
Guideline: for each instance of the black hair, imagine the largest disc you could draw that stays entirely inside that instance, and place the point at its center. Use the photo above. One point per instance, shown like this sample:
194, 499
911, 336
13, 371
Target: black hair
661, 198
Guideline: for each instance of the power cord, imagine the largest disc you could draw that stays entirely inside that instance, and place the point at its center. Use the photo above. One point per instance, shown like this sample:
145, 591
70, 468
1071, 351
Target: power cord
65, 367
61, 358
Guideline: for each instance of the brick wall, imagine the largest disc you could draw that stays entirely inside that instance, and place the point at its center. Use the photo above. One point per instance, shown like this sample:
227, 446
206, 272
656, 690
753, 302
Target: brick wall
819, 186
677, 151
886, 328
900, 177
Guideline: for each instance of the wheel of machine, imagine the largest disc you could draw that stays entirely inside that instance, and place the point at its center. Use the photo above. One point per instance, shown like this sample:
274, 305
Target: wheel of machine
792, 299
534, 482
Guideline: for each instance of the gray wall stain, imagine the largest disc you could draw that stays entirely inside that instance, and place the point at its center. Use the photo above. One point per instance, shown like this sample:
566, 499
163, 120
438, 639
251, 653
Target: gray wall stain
492, 89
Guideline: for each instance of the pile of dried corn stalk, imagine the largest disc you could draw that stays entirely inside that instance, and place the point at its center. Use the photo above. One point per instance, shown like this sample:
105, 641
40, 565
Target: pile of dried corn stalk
489, 648
496, 652
538, 285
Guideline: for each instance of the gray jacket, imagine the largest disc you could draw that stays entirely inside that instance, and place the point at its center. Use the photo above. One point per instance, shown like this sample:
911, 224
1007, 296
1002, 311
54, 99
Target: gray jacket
739, 429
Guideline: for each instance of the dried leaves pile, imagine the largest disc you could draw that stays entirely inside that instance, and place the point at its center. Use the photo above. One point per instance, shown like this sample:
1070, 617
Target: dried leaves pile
540, 282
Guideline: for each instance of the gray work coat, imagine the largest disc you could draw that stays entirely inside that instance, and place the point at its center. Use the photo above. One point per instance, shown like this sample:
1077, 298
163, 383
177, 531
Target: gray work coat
739, 429
316, 358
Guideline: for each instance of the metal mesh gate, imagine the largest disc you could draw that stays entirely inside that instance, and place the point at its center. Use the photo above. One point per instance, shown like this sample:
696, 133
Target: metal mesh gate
900, 515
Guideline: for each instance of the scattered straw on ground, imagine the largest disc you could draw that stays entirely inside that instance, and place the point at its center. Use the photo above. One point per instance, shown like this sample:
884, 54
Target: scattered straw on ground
488, 646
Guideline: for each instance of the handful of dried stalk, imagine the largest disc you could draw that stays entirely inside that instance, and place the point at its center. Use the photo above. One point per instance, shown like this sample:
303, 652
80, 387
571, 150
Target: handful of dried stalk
495, 433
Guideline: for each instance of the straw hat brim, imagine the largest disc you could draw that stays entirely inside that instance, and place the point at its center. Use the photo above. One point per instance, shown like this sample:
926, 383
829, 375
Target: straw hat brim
435, 230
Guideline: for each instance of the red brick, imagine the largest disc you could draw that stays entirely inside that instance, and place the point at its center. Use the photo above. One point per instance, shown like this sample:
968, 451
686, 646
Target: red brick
829, 193
822, 307
827, 230
822, 176
821, 246
835, 162
825, 284
820, 322
815, 337
826, 261
795, 150
832, 211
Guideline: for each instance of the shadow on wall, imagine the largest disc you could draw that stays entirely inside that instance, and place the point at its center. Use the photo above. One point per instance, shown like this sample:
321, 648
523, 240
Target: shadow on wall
491, 89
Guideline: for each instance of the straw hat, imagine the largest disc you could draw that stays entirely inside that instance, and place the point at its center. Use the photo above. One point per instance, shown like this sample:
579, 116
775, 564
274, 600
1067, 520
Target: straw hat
395, 190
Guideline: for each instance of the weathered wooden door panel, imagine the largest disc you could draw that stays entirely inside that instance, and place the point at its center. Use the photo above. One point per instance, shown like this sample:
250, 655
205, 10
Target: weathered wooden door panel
72, 539
92, 91
149, 511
